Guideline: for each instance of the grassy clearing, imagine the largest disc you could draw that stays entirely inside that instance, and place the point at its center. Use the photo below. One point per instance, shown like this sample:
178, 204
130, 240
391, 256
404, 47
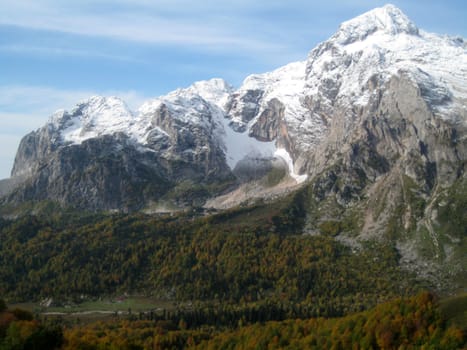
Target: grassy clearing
123, 305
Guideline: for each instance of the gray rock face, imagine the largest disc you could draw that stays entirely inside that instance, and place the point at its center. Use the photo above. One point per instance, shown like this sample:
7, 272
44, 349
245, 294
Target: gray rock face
243, 107
191, 151
99, 174
396, 122
33, 150
396, 132
115, 171
267, 127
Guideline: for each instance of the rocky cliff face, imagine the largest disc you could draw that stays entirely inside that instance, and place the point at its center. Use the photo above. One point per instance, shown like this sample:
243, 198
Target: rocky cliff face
101, 156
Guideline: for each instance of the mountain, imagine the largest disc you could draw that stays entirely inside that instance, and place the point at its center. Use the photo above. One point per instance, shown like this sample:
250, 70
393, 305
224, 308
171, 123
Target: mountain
373, 124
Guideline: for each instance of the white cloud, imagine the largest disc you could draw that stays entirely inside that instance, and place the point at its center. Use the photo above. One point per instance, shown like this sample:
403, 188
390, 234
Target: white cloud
58, 51
153, 24
227, 26
273, 34
14, 122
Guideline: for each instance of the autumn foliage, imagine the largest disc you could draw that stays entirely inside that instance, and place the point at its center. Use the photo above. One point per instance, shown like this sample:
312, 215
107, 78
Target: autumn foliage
404, 323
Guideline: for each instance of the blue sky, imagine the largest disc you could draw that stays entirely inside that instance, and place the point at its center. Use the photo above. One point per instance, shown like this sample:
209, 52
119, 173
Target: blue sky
54, 53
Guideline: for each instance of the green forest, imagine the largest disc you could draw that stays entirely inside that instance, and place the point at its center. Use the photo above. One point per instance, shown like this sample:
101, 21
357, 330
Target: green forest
244, 278
197, 259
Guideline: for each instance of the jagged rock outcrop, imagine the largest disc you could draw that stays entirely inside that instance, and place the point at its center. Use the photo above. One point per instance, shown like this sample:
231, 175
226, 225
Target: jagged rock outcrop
267, 126
243, 107
100, 173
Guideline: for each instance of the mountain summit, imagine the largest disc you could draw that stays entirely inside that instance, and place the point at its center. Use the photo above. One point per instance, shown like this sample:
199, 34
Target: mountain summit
388, 19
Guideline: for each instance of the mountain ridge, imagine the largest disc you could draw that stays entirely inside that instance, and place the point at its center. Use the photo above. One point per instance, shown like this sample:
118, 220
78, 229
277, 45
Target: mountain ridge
337, 106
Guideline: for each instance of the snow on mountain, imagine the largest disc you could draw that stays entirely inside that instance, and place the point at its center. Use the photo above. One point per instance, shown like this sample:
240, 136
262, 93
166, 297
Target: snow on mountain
367, 50
92, 118
282, 153
238, 145
208, 98
200, 104
383, 43
215, 91
285, 83
186, 108
388, 19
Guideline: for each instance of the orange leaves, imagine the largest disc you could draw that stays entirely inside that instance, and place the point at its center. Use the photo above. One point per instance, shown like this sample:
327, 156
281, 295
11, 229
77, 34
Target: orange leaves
384, 327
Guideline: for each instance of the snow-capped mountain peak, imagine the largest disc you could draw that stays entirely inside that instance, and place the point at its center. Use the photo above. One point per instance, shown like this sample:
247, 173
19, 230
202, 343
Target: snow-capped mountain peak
381, 42
388, 19
91, 118
191, 103
378, 45
103, 108
215, 90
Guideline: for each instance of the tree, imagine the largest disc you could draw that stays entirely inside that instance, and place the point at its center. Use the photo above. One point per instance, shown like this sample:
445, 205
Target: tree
2, 305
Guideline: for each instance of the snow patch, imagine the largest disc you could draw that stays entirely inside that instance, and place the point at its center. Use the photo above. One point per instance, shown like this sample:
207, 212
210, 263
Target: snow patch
282, 153
387, 19
240, 145
216, 91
